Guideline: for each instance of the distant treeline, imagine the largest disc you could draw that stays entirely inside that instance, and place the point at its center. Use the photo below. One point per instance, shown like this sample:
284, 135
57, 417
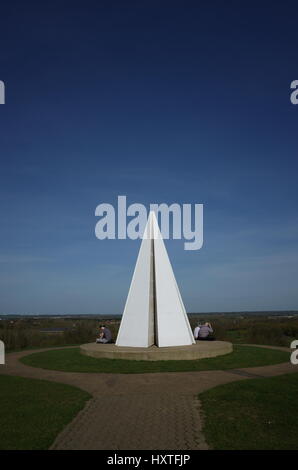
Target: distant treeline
25, 333
256, 330
101, 317
244, 313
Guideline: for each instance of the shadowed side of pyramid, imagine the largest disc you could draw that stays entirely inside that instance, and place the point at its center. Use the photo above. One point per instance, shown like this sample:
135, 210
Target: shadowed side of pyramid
136, 328
154, 312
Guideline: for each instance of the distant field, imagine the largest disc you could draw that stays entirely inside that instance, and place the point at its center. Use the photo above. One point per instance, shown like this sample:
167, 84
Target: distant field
28, 332
256, 414
72, 360
33, 412
25, 332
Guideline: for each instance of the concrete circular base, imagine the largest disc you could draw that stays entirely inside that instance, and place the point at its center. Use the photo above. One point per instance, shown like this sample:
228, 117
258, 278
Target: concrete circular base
195, 351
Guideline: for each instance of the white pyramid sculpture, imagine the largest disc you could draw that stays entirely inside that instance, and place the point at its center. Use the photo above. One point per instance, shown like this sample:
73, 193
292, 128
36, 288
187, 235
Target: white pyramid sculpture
154, 312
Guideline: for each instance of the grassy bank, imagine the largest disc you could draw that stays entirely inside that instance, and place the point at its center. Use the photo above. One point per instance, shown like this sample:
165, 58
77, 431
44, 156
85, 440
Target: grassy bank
33, 412
253, 414
72, 360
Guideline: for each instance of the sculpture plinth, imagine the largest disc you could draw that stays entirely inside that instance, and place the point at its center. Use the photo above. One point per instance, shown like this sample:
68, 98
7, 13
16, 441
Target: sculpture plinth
200, 350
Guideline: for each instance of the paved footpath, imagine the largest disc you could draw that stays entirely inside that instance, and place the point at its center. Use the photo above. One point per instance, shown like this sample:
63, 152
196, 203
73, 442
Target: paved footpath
138, 411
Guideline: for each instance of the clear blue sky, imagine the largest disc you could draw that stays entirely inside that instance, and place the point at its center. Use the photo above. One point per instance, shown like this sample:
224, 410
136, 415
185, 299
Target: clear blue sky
162, 101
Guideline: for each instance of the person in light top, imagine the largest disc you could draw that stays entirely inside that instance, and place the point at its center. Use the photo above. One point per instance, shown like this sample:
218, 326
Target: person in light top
204, 332
105, 335
196, 330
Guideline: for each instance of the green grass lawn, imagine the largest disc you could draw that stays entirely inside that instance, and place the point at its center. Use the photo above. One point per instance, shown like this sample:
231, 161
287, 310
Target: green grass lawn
72, 360
33, 412
253, 414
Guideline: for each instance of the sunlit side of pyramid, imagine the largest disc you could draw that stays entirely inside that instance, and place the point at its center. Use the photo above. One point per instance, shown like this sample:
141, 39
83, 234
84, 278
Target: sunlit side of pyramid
154, 312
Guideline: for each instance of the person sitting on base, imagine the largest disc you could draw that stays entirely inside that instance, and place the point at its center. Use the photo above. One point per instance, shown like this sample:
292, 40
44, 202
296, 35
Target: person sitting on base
205, 332
105, 335
196, 330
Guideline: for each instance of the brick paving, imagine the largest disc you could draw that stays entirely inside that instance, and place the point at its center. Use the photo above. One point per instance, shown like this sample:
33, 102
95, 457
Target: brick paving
138, 411
125, 422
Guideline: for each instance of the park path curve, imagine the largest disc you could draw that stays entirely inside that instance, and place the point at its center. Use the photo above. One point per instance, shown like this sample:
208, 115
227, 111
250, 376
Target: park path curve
138, 411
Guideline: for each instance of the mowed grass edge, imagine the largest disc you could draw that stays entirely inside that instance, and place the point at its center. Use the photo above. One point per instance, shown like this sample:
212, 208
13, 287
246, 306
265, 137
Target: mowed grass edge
71, 360
255, 414
33, 412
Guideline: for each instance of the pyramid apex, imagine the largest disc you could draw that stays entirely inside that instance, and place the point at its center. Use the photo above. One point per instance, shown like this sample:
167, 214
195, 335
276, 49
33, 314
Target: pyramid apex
152, 215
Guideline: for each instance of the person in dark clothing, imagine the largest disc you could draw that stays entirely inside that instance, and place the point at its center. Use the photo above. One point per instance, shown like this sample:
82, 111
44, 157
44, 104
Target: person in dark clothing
105, 335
